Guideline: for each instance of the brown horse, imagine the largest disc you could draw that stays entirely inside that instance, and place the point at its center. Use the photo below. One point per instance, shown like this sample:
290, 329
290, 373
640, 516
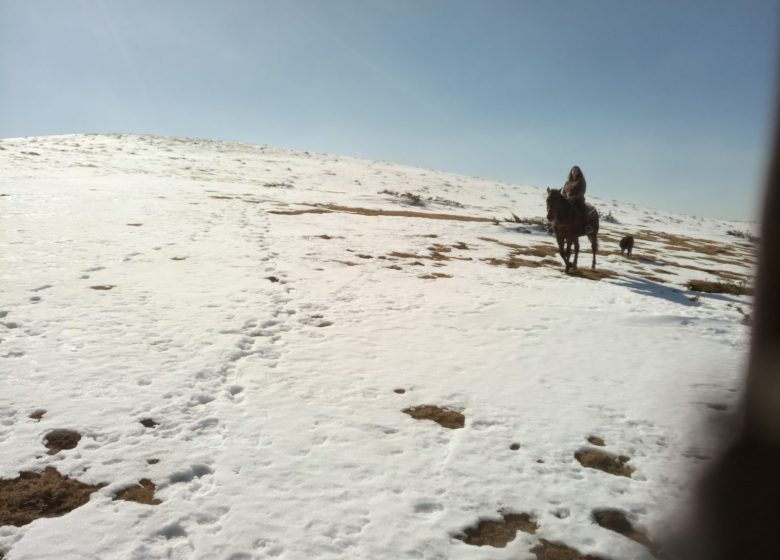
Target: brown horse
568, 224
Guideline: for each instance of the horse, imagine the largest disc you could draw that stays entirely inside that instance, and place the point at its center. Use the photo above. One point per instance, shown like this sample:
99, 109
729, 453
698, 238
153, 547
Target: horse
568, 225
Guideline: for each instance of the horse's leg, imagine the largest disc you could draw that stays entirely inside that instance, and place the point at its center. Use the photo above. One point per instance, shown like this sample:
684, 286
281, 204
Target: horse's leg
568, 253
594, 247
559, 238
576, 251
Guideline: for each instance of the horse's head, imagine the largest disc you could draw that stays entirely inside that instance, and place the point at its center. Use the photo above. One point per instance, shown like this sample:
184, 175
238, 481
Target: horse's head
554, 197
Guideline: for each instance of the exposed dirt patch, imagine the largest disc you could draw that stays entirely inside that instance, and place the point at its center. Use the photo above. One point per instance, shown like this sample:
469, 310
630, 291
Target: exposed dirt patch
499, 533
514, 446
445, 417
219, 196
405, 214
299, 212
103, 287
719, 288
37, 414
547, 550
513, 262
348, 263
603, 461
178, 258
152, 461
57, 440
435, 275
31, 496
394, 267
592, 274
617, 521
399, 391
272, 278
143, 493
363, 256
596, 440
135, 225
148, 423
324, 324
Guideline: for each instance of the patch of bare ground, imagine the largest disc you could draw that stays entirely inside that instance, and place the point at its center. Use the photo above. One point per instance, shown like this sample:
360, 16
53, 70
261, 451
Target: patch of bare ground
498, 534
152, 461
394, 267
219, 196
603, 461
446, 417
104, 287
592, 274
404, 213
696, 245
399, 391
617, 521
348, 263
651, 277
435, 275
596, 440
135, 225
142, 493
57, 440
31, 496
513, 262
178, 258
148, 423
299, 212
37, 414
547, 550
540, 250
719, 288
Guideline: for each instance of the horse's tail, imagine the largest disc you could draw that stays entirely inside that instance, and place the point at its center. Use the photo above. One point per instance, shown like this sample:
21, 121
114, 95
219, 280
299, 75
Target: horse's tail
595, 225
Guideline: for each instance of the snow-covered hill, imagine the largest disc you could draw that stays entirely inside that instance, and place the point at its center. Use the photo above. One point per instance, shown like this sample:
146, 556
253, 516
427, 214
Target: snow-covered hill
270, 314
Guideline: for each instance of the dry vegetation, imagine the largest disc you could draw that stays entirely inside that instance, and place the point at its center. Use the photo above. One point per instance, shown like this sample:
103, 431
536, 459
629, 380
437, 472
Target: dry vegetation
729, 288
499, 533
445, 417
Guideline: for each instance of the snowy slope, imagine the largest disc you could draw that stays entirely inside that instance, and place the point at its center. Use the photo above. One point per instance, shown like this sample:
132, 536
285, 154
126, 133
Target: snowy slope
265, 306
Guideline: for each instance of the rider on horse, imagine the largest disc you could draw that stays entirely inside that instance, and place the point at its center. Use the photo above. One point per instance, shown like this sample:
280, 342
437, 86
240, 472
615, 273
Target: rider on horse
574, 191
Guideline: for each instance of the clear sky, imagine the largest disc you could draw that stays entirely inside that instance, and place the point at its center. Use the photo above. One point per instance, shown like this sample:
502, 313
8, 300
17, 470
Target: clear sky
665, 103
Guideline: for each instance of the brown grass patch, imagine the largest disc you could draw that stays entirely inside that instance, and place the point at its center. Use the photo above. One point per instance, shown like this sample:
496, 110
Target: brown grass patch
405, 214
616, 520
547, 550
513, 262
178, 258
603, 461
32, 496
37, 414
299, 212
499, 533
142, 493
57, 440
435, 275
719, 288
592, 273
104, 287
445, 417
595, 440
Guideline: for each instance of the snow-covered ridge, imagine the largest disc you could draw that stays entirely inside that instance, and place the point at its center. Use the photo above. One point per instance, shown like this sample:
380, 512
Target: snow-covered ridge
274, 312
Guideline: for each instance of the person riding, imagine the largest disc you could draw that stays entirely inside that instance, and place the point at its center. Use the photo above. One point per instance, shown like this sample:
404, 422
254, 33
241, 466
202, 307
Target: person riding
574, 191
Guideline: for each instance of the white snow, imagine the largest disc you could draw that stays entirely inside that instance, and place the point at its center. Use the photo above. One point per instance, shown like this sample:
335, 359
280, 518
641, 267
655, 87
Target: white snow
280, 432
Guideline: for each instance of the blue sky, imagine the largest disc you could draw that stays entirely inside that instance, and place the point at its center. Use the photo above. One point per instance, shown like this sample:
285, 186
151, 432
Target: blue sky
664, 103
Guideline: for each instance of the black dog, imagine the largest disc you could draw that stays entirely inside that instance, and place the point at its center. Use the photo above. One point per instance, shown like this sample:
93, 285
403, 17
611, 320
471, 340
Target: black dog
626, 244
